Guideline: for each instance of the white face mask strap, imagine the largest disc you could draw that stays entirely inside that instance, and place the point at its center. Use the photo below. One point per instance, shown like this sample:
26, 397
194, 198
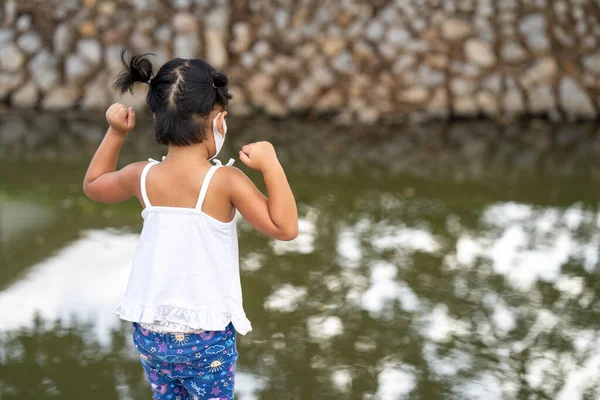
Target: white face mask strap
219, 138
215, 128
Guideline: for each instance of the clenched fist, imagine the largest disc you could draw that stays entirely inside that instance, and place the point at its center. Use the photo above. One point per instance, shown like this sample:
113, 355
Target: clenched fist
259, 156
120, 118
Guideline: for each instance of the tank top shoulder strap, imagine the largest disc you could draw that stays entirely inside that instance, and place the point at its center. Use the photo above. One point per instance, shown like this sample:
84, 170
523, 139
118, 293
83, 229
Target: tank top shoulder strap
207, 180
143, 181
205, 184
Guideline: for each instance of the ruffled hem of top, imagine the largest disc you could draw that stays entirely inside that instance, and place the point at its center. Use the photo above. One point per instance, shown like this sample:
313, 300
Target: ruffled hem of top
209, 321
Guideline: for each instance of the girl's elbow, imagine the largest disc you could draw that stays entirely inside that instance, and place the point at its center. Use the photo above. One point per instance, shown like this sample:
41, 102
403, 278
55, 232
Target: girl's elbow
86, 189
90, 191
289, 234
294, 233
286, 237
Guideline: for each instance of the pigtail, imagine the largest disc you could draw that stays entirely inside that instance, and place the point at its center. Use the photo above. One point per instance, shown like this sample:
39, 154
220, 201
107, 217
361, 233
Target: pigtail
138, 69
222, 95
219, 80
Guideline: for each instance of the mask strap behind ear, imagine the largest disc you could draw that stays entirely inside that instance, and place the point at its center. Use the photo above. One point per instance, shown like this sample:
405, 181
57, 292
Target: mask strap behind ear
215, 125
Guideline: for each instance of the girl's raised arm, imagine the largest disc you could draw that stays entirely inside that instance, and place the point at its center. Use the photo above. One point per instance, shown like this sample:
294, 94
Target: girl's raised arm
102, 182
275, 216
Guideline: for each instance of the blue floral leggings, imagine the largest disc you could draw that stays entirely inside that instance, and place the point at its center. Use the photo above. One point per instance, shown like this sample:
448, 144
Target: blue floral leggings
188, 366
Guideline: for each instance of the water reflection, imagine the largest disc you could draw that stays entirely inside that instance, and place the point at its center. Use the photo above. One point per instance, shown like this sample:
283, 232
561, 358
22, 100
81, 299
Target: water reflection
82, 281
78, 288
22, 218
396, 287
386, 287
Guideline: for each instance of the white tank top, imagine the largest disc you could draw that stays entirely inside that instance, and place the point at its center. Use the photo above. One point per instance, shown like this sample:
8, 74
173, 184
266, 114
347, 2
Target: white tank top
185, 272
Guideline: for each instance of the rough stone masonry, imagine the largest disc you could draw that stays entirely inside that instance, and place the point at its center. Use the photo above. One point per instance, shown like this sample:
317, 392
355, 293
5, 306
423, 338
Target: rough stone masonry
353, 61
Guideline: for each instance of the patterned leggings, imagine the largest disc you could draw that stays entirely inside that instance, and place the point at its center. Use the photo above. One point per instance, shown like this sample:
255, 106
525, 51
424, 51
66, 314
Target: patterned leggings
188, 365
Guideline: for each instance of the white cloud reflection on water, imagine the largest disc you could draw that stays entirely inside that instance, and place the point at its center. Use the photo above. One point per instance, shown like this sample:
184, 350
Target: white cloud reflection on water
385, 288
415, 239
449, 365
395, 382
322, 327
526, 245
522, 260
502, 317
349, 248
341, 378
247, 386
83, 280
485, 386
287, 298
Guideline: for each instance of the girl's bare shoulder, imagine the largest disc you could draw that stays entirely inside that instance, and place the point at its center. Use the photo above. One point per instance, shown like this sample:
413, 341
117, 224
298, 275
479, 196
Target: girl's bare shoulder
132, 173
230, 177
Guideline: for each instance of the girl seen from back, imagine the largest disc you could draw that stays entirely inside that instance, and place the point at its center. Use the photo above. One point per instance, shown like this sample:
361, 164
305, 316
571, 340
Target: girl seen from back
184, 296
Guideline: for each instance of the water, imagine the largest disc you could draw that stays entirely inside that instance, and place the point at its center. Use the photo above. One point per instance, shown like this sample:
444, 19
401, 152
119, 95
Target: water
442, 262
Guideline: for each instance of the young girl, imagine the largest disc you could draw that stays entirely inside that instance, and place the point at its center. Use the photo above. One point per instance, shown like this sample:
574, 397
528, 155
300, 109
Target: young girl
184, 295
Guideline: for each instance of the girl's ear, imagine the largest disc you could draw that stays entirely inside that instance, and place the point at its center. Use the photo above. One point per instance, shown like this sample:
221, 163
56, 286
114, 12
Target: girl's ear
220, 122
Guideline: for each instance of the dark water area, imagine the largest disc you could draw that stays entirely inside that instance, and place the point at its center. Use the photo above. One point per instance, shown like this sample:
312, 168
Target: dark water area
452, 261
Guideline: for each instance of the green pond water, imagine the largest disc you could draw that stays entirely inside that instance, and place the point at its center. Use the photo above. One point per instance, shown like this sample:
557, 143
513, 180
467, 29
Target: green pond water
439, 262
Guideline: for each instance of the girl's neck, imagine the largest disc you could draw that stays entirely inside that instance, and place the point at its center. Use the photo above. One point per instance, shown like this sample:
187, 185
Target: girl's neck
192, 153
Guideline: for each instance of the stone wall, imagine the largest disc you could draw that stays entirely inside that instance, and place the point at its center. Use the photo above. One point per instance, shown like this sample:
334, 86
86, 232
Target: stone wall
363, 61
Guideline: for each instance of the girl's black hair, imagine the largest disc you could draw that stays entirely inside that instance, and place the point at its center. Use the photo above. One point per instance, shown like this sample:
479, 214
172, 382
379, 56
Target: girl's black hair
181, 92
